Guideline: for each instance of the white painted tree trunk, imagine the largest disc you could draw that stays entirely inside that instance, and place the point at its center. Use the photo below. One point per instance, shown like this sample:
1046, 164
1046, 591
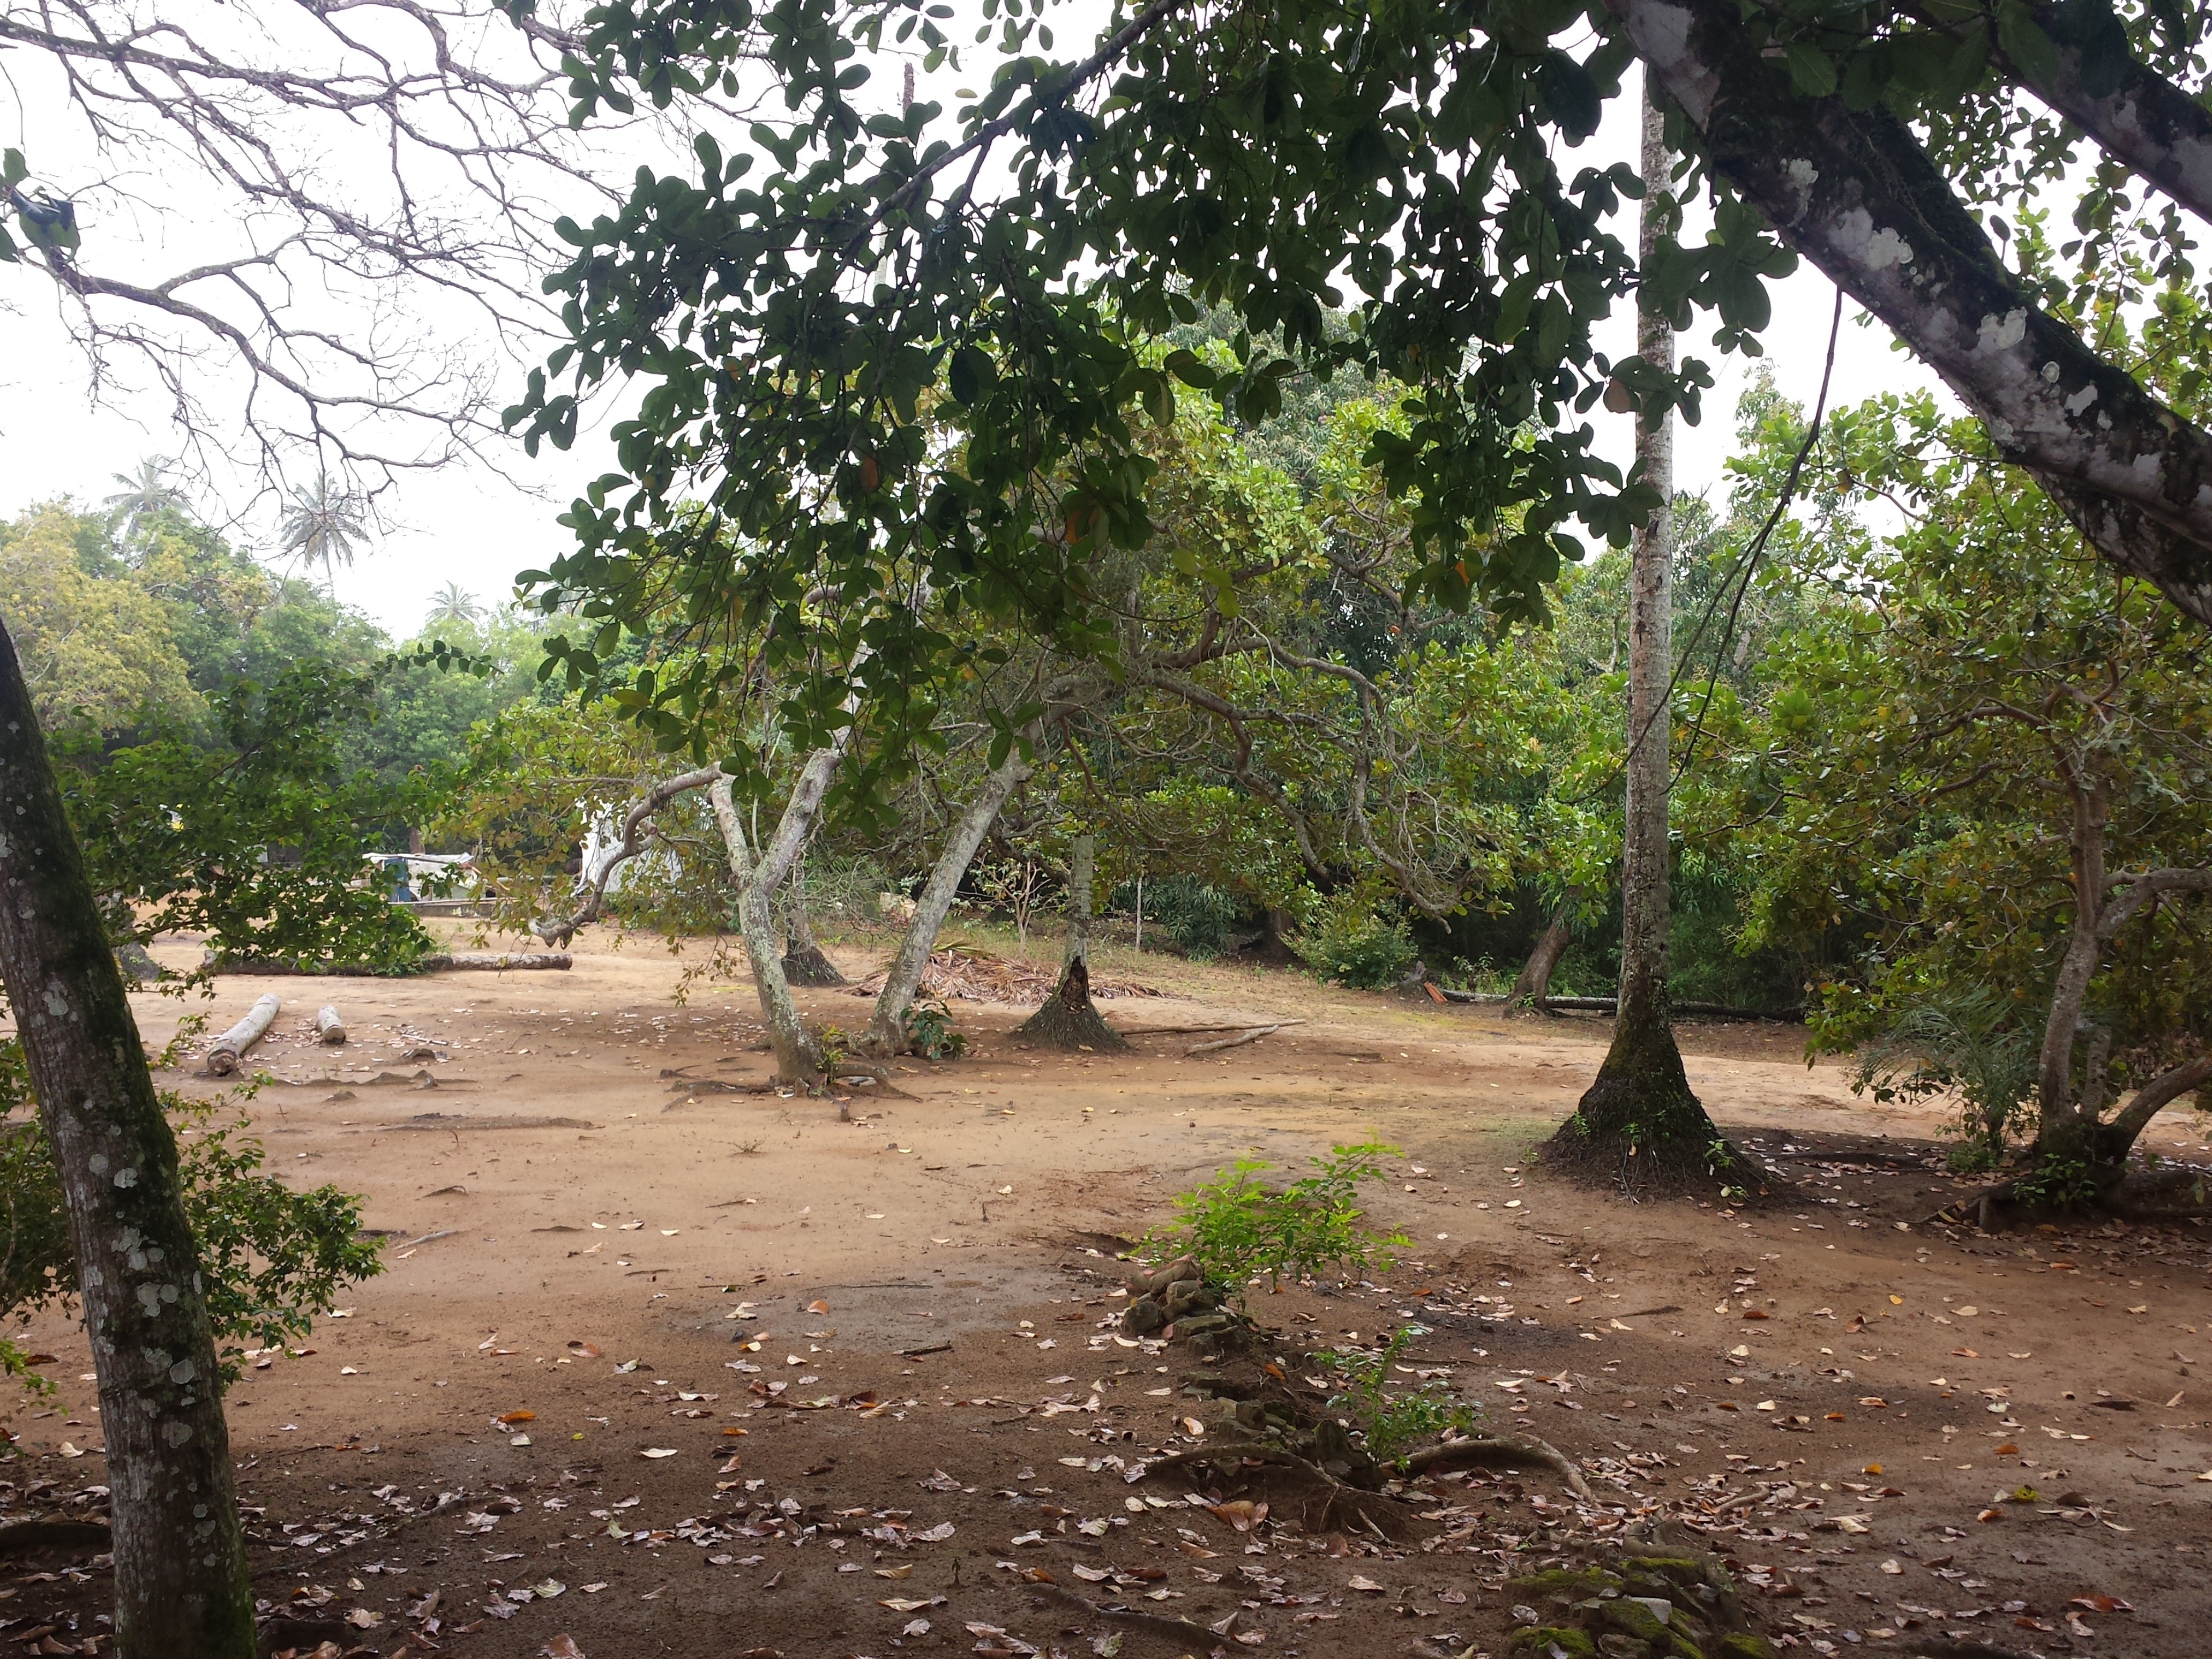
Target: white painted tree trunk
181, 1585
886, 1034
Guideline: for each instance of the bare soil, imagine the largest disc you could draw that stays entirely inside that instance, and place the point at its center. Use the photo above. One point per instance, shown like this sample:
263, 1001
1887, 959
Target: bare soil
802, 1386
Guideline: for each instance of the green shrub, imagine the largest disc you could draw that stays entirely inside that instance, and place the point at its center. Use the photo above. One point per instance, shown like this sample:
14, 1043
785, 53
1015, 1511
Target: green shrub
1236, 1227
1195, 915
1354, 946
929, 1033
1393, 1424
271, 1258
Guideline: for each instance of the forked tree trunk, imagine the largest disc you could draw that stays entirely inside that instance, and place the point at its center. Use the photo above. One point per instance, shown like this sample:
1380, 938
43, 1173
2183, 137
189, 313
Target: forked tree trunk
182, 1588
1536, 981
886, 1034
1639, 1121
803, 961
797, 1057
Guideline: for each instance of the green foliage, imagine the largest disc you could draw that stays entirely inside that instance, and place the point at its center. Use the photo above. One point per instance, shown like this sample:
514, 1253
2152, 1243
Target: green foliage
929, 1033
246, 831
1967, 1038
270, 1258
1993, 720
1196, 915
1236, 1226
1392, 1424
1350, 944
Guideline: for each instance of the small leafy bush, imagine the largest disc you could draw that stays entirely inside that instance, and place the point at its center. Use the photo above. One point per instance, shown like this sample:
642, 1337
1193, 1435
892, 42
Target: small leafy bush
1392, 1425
1194, 914
929, 1032
1236, 1227
271, 1258
1357, 948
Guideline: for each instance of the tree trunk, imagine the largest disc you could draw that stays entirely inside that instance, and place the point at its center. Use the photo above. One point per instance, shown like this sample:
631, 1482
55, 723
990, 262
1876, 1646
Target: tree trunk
1639, 1121
1069, 1019
1536, 981
798, 1058
1082, 870
181, 1587
803, 961
886, 1034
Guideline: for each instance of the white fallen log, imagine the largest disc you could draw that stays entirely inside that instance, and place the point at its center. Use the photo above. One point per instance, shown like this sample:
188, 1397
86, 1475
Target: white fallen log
328, 1026
222, 1059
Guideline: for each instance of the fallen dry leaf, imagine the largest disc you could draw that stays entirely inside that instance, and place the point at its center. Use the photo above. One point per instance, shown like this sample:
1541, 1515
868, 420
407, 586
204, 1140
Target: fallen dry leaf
584, 1351
1358, 1582
2101, 1604
518, 1417
658, 1451
561, 1647
817, 1307
906, 1571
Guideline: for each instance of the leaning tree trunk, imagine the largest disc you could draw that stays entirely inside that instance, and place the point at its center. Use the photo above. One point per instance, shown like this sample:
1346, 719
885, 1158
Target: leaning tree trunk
803, 961
1068, 1019
886, 1034
181, 1587
797, 1057
1536, 981
1639, 1121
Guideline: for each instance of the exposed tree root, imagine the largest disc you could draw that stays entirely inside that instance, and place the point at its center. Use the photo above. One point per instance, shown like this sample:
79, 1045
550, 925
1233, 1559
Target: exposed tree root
804, 964
1500, 1452
1178, 1630
1384, 1517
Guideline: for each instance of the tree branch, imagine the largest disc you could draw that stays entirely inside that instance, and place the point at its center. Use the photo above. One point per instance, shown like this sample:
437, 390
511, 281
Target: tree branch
1855, 194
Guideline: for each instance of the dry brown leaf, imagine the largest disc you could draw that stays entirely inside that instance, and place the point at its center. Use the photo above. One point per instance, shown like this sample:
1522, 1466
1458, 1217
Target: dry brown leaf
1360, 1582
518, 1417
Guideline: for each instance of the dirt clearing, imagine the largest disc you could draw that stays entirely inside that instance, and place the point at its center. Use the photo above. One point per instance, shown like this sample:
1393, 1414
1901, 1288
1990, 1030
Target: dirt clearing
664, 1363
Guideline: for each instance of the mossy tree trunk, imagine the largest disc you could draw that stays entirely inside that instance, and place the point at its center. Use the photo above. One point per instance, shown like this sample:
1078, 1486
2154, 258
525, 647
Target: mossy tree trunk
181, 1584
1639, 1121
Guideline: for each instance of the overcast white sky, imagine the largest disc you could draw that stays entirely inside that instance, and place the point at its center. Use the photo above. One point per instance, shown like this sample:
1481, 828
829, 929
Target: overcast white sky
471, 525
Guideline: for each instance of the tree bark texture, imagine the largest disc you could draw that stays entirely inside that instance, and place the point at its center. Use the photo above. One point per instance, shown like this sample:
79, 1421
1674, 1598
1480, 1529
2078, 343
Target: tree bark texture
181, 1587
1854, 192
1536, 981
1082, 873
886, 1034
1640, 1108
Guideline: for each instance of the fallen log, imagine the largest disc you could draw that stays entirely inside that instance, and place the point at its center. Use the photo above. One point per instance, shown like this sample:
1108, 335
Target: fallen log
328, 1026
496, 961
1237, 1042
222, 1059
1608, 1005
440, 962
1197, 1031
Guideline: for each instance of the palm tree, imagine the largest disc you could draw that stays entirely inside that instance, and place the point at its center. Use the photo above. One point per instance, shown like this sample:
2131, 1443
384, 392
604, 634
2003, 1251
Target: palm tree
145, 494
455, 604
323, 526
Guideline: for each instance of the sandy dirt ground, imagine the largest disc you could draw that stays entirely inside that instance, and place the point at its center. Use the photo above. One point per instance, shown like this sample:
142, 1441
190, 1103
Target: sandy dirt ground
662, 1365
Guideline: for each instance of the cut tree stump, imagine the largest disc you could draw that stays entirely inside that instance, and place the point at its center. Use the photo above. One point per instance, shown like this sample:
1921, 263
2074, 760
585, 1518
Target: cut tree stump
222, 1059
1068, 1019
